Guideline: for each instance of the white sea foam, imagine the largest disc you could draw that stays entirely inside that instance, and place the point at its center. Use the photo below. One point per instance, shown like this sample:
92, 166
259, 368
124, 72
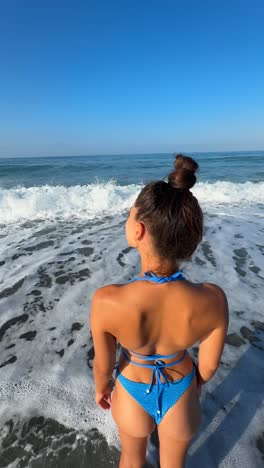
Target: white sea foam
82, 201
230, 193
100, 199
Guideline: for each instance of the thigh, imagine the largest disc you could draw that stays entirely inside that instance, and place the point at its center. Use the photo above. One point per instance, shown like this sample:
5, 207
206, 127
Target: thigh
173, 452
129, 416
183, 419
133, 450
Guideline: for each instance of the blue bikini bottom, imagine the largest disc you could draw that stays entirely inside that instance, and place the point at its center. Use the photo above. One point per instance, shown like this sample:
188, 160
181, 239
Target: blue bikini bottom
160, 397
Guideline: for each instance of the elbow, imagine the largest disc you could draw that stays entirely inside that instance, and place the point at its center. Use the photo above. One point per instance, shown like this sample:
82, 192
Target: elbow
206, 372
212, 369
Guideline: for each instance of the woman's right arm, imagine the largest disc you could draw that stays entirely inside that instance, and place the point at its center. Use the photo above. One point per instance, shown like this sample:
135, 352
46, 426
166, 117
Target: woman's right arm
212, 345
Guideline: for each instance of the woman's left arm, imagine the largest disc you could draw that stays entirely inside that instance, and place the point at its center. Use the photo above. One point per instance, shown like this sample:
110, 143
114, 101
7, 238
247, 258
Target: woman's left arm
104, 346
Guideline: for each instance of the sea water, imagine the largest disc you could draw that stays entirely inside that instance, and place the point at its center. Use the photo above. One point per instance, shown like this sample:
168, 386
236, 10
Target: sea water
62, 236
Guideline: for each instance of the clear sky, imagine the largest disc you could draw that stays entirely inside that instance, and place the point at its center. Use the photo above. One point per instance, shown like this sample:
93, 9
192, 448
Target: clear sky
124, 76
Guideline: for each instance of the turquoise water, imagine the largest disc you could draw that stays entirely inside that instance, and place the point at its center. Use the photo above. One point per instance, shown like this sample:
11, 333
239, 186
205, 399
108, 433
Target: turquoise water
127, 169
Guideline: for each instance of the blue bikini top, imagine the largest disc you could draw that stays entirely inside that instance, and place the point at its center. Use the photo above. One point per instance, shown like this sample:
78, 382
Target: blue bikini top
158, 366
149, 276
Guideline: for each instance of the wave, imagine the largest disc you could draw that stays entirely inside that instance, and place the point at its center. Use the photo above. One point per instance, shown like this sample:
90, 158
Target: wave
107, 199
229, 193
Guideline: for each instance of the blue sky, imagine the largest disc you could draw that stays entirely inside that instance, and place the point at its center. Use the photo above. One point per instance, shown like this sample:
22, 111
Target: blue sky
124, 76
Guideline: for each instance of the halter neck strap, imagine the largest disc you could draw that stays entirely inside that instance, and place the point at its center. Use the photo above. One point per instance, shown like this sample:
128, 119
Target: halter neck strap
149, 276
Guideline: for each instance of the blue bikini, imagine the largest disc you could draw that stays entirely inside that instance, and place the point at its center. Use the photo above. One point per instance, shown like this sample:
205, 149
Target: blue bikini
156, 398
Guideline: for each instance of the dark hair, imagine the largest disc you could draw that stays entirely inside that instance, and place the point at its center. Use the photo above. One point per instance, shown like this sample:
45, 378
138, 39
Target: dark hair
171, 213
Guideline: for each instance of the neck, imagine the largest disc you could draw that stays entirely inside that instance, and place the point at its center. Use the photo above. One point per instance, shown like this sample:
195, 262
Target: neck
161, 267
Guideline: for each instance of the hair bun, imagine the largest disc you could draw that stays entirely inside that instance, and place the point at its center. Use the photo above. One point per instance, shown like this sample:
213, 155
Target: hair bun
183, 177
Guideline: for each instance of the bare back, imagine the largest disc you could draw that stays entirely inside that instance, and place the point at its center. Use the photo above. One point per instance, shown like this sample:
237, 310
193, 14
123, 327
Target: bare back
166, 318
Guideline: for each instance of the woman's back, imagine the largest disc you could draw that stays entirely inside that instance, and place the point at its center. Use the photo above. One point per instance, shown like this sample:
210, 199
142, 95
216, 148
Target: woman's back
164, 318
151, 318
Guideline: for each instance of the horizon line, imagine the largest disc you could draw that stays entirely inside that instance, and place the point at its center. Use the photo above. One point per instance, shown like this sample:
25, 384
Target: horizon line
133, 154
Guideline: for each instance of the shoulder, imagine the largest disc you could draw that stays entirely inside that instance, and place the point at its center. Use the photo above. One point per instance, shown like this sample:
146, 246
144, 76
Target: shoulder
104, 306
218, 300
109, 295
215, 291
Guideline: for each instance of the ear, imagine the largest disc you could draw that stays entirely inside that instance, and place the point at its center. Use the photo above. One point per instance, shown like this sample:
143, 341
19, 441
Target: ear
140, 231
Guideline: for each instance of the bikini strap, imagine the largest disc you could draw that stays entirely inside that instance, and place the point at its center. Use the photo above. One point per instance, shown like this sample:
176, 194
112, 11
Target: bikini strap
157, 371
151, 358
149, 276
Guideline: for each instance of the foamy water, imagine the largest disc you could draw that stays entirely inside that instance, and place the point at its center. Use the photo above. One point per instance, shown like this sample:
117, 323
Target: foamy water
108, 199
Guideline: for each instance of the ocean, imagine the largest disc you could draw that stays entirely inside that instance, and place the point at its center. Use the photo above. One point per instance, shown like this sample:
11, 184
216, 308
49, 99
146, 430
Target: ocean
62, 236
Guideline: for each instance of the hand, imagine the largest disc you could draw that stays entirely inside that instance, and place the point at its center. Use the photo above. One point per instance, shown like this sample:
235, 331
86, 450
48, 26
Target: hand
103, 399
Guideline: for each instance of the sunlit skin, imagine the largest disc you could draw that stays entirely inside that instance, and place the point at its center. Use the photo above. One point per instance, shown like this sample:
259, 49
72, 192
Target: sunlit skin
156, 318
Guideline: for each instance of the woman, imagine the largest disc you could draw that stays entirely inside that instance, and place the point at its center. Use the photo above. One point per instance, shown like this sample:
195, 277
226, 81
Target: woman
155, 318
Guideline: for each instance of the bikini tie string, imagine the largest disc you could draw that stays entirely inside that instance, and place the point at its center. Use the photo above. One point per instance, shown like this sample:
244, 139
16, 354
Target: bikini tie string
158, 373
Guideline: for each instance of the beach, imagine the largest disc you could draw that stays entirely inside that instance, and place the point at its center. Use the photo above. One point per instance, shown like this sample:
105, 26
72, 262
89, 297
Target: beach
63, 236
